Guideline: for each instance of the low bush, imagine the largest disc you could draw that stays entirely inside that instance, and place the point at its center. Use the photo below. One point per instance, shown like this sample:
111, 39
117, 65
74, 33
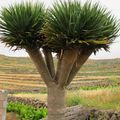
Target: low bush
26, 112
73, 100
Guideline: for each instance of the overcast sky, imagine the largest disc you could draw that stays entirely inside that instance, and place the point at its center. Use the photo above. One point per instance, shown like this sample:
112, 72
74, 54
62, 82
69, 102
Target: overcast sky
112, 5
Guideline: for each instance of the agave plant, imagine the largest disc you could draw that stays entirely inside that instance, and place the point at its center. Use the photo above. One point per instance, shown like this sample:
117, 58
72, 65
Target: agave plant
71, 24
20, 25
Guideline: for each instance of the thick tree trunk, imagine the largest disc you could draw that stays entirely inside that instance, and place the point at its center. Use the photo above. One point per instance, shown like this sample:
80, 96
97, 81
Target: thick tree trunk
56, 103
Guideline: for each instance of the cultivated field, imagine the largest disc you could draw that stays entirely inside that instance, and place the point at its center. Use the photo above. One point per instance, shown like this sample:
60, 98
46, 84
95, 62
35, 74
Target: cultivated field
20, 74
97, 82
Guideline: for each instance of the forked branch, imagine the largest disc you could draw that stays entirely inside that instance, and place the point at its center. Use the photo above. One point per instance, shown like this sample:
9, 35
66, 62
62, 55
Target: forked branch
81, 59
59, 58
49, 62
67, 62
38, 60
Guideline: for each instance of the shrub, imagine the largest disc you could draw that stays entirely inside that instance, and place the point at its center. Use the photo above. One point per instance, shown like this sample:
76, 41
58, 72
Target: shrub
73, 100
26, 112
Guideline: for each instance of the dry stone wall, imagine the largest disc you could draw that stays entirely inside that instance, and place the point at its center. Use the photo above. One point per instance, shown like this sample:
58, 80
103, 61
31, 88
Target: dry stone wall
84, 113
28, 101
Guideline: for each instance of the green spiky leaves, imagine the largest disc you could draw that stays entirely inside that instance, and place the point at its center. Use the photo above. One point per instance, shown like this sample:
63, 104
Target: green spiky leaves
20, 25
71, 24
68, 25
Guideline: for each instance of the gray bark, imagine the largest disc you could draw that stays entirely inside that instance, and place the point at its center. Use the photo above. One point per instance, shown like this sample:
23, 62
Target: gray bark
56, 103
39, 62
67, 62
81, 59
49, 62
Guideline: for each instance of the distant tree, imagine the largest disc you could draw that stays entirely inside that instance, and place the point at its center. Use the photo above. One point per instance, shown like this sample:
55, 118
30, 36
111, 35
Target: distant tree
71, 30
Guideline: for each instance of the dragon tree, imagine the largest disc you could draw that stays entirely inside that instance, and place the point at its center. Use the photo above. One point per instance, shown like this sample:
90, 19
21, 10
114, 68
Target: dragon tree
71, 30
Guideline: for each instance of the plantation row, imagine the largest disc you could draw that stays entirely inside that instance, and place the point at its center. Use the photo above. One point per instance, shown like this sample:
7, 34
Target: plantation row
34, 82
21, 74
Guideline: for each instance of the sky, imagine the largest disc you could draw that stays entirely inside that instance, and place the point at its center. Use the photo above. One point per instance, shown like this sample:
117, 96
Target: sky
112, 5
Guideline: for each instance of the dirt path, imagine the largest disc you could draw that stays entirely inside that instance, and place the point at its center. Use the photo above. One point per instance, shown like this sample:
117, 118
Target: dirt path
11, 116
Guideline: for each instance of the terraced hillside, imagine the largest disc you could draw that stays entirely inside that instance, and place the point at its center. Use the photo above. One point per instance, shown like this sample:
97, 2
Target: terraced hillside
19, 74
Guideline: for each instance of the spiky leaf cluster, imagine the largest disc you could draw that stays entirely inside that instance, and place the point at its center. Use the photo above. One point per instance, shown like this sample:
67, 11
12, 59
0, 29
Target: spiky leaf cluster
20, 25
70, 24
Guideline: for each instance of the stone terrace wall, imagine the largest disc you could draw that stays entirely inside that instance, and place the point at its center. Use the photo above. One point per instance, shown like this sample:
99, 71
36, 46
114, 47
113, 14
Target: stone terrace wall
33, 102
3, 104
84, 113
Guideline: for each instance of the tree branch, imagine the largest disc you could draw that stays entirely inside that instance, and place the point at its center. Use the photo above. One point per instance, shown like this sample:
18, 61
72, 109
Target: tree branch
49, 62
38, 60
67, 62
81, 59
59, 57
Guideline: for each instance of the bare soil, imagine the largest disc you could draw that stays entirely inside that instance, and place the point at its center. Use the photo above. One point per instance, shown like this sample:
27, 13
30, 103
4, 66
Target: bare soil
11, 116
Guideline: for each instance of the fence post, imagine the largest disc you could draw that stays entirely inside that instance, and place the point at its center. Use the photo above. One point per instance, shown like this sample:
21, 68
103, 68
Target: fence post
3, 104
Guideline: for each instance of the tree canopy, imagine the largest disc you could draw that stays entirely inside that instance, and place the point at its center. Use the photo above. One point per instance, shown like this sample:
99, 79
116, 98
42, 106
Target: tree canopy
71, 24
71, 29
68, 25
20, 25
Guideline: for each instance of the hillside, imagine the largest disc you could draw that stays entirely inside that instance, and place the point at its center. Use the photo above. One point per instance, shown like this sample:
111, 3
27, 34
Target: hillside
20, 74
23, 65
16, 65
